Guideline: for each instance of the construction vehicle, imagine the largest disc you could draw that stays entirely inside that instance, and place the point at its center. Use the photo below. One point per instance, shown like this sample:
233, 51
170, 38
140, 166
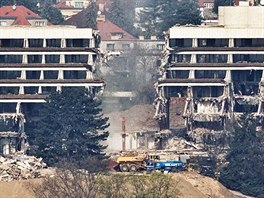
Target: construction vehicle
131, 162
170, 166
134, 162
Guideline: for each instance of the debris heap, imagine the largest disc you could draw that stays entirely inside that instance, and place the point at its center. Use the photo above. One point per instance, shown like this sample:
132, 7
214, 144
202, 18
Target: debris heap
20, 167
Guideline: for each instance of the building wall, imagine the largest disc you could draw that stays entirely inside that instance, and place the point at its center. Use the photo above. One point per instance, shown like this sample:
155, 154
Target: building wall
242, 16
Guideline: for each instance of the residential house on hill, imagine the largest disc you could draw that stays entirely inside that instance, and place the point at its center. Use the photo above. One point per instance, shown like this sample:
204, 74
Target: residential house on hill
20, 15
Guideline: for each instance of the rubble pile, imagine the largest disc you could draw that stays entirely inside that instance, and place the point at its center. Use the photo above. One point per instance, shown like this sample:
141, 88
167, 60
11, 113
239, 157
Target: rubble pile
20, 167
180, 144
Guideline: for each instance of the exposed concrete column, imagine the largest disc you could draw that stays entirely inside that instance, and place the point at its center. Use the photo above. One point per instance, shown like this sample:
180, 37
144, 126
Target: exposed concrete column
90, 59
193, 58
43, 61
21, 90
92, 43
18, 107
192, 74
41, 77
231, 42
62, 59
259, 107
25, 45
89, 75
39, 90
60, 75
44, 42
23, 74
58, 88
228, 76
229, 58
262, 77
194, 42
25, 59
63, 43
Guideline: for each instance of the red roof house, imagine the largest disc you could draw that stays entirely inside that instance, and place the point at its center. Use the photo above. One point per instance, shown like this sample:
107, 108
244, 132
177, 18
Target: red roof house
20, 15
110, 31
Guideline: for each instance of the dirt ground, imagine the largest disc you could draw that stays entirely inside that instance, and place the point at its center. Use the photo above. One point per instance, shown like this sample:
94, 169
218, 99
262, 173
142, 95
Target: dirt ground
190, 184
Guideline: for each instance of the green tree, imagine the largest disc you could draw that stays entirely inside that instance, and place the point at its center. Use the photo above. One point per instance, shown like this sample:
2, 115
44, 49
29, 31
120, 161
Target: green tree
30, 4
122, 14
72, 127
221, 3
116, 13
91, 15
244, 171
161, 15
152, 16
188, 13
52, 14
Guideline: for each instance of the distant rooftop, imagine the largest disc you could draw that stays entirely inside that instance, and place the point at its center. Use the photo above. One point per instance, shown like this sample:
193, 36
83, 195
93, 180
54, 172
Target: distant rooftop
20, 14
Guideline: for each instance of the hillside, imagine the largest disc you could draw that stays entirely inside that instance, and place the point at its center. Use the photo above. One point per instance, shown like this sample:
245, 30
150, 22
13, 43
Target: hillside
190, 185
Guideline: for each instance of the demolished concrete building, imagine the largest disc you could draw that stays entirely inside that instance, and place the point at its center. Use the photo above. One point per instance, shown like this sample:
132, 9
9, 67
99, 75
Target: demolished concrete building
34, 61
217, 69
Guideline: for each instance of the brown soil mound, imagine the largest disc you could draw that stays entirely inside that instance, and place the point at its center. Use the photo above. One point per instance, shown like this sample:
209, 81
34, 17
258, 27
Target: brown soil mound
190, 185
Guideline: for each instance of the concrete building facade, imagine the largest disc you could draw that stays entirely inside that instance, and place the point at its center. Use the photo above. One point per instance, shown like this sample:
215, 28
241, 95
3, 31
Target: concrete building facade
34, 61
218, 70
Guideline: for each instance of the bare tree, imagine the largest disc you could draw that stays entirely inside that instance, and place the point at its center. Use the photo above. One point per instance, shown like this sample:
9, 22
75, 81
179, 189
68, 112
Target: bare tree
81, 184
70, 183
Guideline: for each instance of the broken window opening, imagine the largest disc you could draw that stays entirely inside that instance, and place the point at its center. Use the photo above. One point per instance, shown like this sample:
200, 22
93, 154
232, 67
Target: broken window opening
212, 58
182, 74
242, 107
212, 42
179, 58
212, 91
175, 92
220, 74
216, 126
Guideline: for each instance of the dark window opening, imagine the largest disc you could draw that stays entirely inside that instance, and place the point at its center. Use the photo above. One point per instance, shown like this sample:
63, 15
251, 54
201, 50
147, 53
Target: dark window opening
180, 42
34, 58
53, 42
33, 74
51, 74
11, 58
76, 58
12, 43
74, 75
178, 74
77, 42
35, 42
52, 58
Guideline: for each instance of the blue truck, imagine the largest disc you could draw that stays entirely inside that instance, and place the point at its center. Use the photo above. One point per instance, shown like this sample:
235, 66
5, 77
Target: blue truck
169, 165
